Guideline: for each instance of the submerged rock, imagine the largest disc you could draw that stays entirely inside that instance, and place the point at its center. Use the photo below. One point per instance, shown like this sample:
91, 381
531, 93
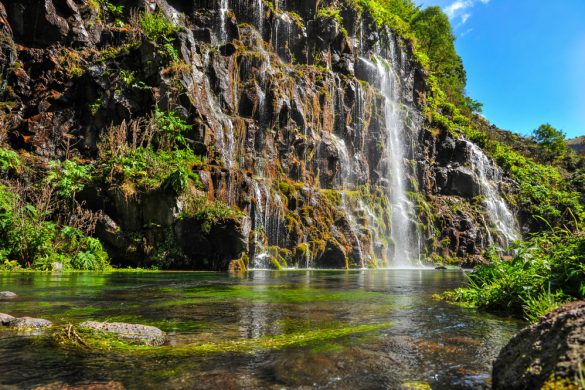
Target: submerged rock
6, 319
7, 294
30, 323
547, 354
140, 334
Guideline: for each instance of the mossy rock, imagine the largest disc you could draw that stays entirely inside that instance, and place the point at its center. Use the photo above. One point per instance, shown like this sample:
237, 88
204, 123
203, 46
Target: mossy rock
134, 334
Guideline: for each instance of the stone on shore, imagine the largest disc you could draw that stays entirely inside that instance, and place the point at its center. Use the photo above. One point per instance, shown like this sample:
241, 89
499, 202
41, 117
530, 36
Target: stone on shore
549, 354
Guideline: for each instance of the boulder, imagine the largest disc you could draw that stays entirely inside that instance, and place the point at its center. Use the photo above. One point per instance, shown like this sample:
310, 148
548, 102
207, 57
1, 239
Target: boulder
6, 319
462, 182
7, 294
30, 323
548, 354
137, 334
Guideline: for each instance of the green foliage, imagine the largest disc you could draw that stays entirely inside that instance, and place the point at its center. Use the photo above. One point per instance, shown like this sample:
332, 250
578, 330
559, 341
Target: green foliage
548, 270
146, 168
552, 141
9, 160
28, 239
435, 38
542, 190
334, 14
160, 30
210, 213
68, 177
171, 129
156, 27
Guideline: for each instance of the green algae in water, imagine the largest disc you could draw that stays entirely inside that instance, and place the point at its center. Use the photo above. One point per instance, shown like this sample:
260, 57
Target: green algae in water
106, 342
272, 294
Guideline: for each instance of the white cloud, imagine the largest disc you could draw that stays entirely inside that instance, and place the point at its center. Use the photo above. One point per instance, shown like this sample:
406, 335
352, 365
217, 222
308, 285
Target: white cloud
459, 11
453, 9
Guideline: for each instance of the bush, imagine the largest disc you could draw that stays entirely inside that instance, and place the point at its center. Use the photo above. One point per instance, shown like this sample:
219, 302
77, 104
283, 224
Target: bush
28, 239
9, 160
68, 177
210, 213
146, 168
548, 270
156, 27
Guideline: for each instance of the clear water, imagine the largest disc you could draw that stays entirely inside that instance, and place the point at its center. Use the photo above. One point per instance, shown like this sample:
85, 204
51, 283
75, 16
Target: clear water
431, 342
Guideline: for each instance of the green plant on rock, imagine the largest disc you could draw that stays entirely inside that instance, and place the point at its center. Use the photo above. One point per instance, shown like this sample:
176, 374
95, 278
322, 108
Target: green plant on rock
160, 30
171, 129
146, 168
9, 160
210, 213
68, 177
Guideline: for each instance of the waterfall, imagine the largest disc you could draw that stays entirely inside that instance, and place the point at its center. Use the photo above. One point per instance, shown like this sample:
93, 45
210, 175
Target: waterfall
404, 236
260, 15
223, 10
489, 175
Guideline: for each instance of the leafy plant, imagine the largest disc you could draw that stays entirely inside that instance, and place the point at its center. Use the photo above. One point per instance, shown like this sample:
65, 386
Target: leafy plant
69, 177
171, 129
548, 270
28, 239
9, 160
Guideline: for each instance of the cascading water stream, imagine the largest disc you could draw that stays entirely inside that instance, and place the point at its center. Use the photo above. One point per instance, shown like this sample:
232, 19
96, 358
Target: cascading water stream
499, 213
223, 10
260, 15
404, 237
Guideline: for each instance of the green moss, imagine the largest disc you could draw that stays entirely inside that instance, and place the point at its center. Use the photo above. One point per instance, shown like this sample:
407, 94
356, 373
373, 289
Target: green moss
101, 341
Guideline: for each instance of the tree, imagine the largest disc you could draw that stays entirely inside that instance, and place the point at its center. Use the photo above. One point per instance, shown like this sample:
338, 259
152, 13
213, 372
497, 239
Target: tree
435, 37
551, 140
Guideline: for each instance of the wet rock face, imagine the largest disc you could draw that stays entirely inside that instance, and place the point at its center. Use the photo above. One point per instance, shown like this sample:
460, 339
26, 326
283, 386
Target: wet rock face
281, 99
135, 333
547, 354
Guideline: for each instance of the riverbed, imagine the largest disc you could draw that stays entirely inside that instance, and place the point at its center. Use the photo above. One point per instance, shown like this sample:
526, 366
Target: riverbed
414, 341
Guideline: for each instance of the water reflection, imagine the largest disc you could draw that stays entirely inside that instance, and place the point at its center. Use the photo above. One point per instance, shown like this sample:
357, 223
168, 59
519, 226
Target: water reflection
429, 341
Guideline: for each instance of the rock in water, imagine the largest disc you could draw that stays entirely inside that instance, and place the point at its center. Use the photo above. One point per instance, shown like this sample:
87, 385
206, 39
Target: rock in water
6, 319
7, 294
30, 323
140, 334
550, 352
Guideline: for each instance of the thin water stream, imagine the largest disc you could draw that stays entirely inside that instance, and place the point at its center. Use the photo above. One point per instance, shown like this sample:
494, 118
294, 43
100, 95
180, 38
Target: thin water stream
420, 341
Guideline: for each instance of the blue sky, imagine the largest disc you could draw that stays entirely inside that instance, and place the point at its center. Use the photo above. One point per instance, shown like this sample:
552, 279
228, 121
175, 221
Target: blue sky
525, 60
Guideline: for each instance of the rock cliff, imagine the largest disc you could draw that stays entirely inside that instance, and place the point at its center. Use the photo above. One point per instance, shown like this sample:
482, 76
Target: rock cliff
307, 118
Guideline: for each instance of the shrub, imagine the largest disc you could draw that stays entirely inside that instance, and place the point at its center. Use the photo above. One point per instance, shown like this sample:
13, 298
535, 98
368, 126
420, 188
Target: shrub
548, 270
210, 213
68, 177
27, 238
9, 160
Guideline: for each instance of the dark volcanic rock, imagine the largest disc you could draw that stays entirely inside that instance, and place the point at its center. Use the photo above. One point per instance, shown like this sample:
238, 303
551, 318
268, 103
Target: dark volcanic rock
552, 350
140, 334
